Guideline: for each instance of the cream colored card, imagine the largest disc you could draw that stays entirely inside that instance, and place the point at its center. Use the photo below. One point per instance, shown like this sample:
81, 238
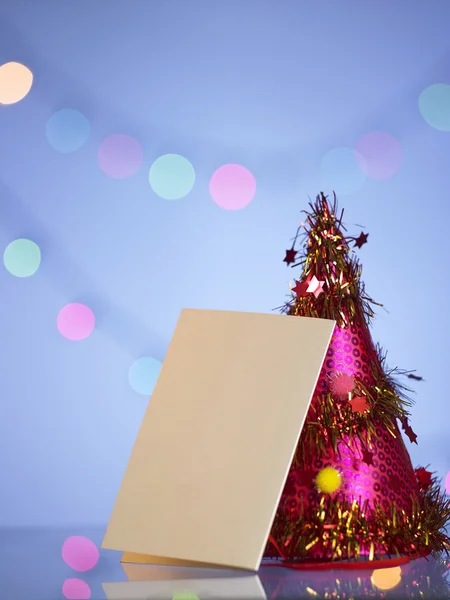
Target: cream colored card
226, 588
214, 449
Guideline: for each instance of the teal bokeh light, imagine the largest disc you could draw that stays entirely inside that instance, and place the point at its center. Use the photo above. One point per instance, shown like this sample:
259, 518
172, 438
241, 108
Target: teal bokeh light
22, 258
143, 375
340, 171
67, 130
434, 106
172, 176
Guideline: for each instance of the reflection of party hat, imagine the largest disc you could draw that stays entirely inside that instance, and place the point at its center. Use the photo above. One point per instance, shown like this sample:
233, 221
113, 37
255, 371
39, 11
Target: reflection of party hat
419, 579
352, 492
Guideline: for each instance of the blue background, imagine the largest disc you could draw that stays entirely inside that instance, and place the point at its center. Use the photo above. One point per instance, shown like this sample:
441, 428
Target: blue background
273, 86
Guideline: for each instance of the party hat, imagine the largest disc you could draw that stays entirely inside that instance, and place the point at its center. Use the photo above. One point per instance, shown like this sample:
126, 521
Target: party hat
352, 494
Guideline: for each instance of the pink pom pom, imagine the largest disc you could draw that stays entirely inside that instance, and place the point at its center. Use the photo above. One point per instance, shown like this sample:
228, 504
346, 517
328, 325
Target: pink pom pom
341, 385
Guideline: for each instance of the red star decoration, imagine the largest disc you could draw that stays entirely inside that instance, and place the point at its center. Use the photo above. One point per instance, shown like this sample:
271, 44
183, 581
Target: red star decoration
315, 286
290, 256
410, 433
367, 457
394, 483
300, 289
361, 240
359, 404
424, 478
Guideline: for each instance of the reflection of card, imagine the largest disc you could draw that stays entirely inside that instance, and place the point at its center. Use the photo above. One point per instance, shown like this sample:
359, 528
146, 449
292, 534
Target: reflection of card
212, 455
228, 588
136, 572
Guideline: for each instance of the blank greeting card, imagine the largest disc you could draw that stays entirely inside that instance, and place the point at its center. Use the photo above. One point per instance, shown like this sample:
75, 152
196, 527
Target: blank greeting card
214, 449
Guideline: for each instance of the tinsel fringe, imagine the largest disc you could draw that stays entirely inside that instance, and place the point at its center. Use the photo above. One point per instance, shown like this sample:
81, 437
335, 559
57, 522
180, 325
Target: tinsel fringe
335, 529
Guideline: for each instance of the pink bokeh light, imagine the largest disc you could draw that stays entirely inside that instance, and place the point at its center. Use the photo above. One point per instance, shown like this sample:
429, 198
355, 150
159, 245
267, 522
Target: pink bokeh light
232, 187
80, 553
76, 589
379, 155
120, 156
75, 321
447, 483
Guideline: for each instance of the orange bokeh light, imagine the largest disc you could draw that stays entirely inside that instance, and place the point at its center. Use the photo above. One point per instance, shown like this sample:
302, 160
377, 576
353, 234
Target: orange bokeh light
15, 82
386, 579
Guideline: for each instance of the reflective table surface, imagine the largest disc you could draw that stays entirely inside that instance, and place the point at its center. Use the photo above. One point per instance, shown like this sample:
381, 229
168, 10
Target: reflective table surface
32, 567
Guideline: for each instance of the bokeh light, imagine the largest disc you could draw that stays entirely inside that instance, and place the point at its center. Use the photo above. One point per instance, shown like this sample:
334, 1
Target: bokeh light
386, 579
381, 154
447, 483
15, 82
22, 257
75, 321
67, 130
232, 187
143, 375
172, 176
120, 156
76, 589
80, 553
434, 106
341, 171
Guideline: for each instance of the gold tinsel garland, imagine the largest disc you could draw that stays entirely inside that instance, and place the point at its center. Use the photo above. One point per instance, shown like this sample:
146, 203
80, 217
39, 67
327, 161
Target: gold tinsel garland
330, 422
342, 530
336, 424
328, 258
